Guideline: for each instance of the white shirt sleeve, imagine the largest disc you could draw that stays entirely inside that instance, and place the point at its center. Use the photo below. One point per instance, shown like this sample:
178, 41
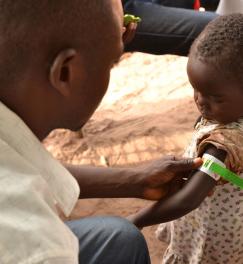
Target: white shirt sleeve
57, 260
229, 6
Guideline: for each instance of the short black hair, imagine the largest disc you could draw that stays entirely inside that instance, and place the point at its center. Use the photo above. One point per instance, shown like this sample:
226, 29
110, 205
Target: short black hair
221, 44
31, 29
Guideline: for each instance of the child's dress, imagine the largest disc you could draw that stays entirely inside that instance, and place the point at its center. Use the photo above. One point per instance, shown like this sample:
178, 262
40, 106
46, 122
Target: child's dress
213, 233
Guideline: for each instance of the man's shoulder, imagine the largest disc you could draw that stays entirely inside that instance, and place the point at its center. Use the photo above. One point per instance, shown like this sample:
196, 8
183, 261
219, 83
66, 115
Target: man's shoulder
29, 222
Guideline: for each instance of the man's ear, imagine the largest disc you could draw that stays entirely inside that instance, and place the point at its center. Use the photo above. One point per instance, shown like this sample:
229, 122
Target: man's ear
60, 71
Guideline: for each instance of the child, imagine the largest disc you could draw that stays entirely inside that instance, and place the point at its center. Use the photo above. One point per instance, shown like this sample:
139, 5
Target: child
212, 232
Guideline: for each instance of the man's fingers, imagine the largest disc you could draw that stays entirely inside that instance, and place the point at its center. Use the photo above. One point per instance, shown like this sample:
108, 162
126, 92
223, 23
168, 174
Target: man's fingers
185, 164
169, 158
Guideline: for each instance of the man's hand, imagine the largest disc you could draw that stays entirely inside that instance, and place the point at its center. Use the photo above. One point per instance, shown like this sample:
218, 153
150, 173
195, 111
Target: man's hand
151, 181
160, 174
129, 32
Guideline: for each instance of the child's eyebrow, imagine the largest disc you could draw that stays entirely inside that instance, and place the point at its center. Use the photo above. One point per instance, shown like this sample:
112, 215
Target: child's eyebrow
209, 93
216, 95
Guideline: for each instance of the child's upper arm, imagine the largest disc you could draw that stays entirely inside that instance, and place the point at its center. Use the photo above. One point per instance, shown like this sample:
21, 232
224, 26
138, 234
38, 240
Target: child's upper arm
200, 184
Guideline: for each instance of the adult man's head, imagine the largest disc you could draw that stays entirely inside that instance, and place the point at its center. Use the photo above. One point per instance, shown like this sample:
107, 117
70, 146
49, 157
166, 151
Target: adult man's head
56, 57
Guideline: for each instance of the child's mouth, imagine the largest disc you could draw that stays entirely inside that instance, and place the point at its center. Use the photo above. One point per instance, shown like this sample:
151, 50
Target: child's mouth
205, 114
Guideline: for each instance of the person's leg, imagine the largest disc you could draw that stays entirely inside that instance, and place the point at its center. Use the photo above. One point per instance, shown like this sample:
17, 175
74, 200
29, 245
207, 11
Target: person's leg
175, 3
165, 30
172, 3
109, 240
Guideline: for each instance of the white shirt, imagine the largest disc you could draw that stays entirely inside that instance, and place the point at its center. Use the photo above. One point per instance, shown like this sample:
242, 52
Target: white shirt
32, 186
230, 6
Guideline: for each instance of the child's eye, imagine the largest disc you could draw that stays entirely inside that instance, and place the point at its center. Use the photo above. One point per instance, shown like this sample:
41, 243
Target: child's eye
218, 100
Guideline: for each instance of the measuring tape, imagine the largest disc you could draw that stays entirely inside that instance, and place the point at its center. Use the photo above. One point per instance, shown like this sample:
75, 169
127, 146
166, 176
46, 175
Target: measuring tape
216, 169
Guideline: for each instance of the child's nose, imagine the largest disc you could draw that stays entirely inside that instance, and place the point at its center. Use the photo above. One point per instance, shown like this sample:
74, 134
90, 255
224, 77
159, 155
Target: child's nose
201, 100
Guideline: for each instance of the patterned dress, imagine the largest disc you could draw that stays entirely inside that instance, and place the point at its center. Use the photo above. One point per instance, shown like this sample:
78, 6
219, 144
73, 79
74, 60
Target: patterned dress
213, 233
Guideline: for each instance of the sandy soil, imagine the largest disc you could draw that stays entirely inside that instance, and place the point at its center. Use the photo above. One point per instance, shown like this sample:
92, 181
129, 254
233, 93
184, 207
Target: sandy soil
148, 112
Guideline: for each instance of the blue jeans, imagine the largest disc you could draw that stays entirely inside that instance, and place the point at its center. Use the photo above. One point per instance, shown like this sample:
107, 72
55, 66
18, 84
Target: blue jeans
109, 240
165, 29
173, 3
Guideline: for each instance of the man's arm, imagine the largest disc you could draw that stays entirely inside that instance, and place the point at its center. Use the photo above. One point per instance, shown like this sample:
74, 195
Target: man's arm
148, 181
184, 201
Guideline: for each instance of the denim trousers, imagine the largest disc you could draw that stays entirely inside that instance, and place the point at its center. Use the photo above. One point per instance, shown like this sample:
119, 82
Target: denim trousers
167, 27
109, 240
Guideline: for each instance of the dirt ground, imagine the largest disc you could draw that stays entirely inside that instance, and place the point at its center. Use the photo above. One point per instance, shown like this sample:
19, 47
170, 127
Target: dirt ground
147, 113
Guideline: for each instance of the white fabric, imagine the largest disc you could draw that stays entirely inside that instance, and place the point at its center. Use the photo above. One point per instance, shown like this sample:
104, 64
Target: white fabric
32, 186
229, 6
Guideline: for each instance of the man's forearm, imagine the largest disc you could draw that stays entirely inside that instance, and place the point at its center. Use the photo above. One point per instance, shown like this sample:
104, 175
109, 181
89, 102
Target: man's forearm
147, 182
99, 182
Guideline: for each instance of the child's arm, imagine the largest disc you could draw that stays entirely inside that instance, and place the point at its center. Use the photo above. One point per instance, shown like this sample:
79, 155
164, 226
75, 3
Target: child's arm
184, 201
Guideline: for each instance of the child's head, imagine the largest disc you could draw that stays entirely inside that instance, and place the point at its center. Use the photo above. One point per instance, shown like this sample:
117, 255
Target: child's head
55, 58
215, 69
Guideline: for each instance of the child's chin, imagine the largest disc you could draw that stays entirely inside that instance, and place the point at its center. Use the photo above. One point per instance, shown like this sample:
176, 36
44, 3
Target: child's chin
208, 117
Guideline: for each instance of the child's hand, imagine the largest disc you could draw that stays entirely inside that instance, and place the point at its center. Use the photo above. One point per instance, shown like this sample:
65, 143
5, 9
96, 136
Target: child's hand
129, 32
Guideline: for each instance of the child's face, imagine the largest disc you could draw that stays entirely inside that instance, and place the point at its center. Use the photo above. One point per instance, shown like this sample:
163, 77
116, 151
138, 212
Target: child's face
217, 97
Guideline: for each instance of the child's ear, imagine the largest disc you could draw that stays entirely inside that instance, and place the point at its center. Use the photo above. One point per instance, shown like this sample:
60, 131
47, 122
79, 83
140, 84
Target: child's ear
60, 71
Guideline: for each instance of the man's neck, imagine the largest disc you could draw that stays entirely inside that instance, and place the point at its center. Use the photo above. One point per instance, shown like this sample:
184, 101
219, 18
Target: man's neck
30, 117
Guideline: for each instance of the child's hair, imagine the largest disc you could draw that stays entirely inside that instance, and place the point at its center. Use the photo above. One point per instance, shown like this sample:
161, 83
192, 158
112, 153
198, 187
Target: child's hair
221, 45
39, 29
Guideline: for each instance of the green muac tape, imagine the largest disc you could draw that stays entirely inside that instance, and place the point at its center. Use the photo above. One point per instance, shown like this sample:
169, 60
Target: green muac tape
223, 172
131, 19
